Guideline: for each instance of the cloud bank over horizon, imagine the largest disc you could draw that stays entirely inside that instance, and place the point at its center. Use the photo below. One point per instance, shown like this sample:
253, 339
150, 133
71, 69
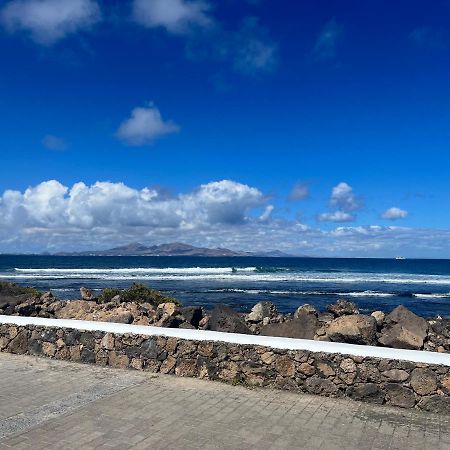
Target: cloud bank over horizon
53, 217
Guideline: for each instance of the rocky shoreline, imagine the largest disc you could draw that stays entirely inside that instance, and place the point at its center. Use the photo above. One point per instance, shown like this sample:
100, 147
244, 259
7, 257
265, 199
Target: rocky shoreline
341, 322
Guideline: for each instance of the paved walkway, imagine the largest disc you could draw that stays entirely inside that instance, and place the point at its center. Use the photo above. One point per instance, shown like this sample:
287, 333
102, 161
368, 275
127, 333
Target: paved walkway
53, 404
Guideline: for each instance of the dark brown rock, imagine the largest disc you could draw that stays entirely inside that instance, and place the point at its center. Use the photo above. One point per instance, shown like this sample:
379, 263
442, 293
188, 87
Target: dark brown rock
437, 404
262, 310
192, 315
303, 327
423, 381
225, 319
342, 307
367, 392
19, 344
355, 329
400, 396
406, 329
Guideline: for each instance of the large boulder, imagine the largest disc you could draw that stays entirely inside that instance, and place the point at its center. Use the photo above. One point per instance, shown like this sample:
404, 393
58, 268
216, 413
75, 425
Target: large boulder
404, 330
342, 308
225, 319
76, 309
192, 314
355, 329
304, 326
262, 310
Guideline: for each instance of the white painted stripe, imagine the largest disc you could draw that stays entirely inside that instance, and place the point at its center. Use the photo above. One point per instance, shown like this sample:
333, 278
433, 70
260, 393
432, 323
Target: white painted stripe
417, 356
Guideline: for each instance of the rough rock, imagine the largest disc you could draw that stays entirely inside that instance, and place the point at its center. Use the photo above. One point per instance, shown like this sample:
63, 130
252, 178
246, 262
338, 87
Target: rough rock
397, 336
354, 329
423, 381
400, 396
367, 392
86, 294
302, 327
342, 307
225, 319
379, 316
395, 375
192, 315
435, 404
406, 329
262, 310
306, 308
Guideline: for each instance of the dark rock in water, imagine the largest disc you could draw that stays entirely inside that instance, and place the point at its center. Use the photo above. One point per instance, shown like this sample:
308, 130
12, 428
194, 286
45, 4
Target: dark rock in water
262, 310
357, 329
400, 396
225, 319
436, 404
302, 327
192, 314
404, 330
343, 307
367, 392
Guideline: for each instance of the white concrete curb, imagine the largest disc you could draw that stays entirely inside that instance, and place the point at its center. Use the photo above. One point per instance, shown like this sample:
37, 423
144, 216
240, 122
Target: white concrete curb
417, 356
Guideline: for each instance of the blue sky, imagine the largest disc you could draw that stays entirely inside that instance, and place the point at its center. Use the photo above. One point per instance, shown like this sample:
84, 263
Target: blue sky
319, 128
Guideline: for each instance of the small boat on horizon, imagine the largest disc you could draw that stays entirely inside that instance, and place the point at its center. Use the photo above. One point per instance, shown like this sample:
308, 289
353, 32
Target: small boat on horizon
400, 257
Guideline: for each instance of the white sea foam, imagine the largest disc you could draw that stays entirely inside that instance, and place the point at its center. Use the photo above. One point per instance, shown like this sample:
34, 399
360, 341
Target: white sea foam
230, 274
432, 295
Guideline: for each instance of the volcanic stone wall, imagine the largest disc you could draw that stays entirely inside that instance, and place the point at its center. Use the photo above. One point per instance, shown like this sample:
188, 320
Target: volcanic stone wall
398, 383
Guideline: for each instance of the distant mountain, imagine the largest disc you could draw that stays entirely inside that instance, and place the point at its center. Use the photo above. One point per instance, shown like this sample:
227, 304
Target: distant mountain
172, 249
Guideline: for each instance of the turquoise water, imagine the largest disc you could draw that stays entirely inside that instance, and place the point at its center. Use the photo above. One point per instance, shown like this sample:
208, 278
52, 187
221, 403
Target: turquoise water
421, 285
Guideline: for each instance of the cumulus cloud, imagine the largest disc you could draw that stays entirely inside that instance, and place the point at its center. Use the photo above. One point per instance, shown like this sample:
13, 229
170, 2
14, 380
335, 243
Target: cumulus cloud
51, 209
48, 21
54, 142
144, 126
345, 201
52, 216
343, 197
300, 191
394, 213
175, 16
328, 40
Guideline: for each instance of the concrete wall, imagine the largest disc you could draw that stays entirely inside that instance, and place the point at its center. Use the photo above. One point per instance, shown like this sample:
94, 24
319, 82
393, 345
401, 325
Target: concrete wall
400, 382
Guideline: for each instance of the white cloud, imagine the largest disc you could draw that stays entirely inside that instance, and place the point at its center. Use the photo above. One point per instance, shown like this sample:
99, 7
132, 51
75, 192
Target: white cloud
51, 210
343, 197
327, 40
394, 213
336, 216
48, 21
54, 217
345, 201
300, 191
145, 126
176, 16
54, 142
267, 214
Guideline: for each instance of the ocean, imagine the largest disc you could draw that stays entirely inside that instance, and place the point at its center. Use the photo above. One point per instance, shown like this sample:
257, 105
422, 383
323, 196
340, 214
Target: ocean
240, 282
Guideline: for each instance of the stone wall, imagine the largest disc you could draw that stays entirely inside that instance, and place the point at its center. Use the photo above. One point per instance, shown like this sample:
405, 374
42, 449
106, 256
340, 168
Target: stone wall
398, 383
